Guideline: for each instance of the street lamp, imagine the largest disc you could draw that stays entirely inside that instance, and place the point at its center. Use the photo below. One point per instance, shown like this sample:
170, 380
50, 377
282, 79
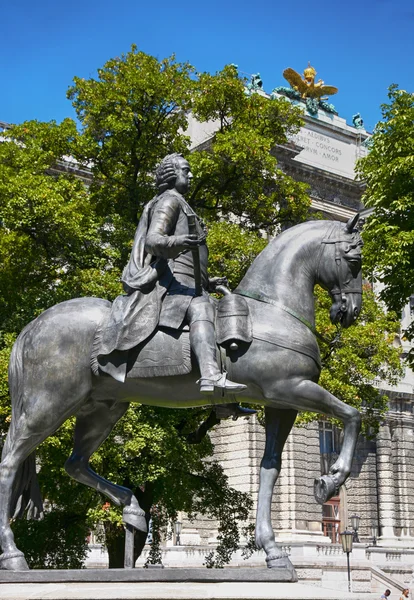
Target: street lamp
374, 534
177, 526
355, 526
346, 541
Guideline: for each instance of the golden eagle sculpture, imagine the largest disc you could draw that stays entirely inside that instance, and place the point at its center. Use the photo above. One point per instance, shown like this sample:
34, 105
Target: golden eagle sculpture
307, 86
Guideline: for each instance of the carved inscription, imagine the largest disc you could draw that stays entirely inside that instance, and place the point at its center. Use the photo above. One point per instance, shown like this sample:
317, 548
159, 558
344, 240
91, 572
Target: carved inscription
327, 152
317, 144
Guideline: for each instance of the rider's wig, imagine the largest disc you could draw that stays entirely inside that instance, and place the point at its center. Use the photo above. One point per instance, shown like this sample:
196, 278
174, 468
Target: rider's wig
165, 173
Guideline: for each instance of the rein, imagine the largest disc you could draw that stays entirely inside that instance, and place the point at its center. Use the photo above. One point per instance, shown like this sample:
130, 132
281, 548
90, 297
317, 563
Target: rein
268, 300
331, 238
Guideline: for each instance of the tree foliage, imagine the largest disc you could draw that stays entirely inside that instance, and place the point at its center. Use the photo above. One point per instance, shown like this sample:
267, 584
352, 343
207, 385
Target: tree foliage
131, 115
388, 171
152, 452
51, 237
56, 542
238, 174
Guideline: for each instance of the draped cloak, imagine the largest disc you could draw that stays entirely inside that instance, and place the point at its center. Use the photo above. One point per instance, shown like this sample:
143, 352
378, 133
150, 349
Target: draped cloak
146, 280
134, 316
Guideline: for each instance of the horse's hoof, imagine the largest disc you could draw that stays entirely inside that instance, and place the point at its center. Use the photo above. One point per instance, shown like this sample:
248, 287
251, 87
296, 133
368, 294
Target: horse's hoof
325, 488
282, 562
135, 517
13, 561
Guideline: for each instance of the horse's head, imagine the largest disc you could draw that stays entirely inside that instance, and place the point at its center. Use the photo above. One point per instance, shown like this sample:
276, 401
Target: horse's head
339, 271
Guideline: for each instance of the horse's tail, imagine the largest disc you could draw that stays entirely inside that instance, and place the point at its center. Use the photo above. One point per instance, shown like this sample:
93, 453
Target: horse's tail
26, 491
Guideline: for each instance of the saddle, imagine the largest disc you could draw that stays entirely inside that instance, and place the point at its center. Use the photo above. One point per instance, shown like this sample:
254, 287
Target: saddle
167, 351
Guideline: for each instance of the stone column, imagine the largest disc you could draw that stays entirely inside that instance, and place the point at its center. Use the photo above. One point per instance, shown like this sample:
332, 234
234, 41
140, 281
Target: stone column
239, 447
386, 490
362, 489
296, 515
401, 423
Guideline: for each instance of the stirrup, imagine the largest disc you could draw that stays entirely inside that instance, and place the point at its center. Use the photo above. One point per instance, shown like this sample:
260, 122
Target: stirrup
234, 410
207, 384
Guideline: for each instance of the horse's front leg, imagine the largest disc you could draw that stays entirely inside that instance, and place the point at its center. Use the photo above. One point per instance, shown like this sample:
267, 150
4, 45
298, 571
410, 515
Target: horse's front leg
278, 425
313, 397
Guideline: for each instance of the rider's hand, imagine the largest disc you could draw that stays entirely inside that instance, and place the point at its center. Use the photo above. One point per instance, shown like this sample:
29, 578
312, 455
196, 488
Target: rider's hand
213, 282
188, 241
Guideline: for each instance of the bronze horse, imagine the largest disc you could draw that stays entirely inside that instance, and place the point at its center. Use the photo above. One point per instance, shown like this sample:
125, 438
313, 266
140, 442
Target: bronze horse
50, 378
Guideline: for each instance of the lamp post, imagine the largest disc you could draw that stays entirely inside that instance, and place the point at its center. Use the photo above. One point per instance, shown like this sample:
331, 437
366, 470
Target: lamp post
177, 526
374, 534
355, 526
346, 541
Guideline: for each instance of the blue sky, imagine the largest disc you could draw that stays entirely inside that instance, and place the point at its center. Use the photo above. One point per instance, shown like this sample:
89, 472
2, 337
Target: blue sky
360, 47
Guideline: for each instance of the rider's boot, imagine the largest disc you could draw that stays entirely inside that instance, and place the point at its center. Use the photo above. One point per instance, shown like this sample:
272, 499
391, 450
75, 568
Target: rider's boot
203, 344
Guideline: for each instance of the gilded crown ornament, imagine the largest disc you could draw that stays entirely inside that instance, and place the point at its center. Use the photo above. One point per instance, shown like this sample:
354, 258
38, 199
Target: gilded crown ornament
307, 86
309, 73
304, 89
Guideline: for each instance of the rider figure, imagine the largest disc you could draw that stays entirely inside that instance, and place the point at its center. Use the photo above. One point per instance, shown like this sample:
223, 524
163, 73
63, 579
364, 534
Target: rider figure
160, 283
168, 237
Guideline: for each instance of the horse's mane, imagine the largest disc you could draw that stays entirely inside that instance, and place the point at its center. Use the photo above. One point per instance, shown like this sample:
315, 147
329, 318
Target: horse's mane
322, 225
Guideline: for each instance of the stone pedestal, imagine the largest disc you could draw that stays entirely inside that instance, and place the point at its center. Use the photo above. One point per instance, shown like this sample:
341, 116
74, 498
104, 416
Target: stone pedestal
162, 584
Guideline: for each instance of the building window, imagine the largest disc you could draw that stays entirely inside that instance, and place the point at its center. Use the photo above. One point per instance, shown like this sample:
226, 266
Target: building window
329, 444
412, 306
328, 438
330, 520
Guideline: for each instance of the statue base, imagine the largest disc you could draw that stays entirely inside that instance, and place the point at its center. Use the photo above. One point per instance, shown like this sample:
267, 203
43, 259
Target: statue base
150, 575
162, 584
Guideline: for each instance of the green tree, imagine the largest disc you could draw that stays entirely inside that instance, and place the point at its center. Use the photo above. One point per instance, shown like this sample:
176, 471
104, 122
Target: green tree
155, 453
56, 542
131, 115
388, 171
136, 111
51, 237
238, 173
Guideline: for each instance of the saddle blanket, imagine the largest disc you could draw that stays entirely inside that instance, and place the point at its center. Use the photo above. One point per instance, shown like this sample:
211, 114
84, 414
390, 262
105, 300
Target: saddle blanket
167, 352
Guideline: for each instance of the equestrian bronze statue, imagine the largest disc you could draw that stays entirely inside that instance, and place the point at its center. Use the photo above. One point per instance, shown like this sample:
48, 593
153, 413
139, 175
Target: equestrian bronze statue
90, 358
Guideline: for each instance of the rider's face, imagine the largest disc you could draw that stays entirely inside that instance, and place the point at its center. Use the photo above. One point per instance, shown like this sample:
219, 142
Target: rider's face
184, 176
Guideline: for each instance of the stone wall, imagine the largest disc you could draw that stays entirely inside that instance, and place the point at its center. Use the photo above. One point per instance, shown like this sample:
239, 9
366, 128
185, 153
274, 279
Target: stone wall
361, 488
295, 511
395, 464
239, 447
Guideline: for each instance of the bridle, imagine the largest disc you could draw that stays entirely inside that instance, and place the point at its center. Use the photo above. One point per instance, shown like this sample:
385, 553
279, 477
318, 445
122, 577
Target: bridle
334, 238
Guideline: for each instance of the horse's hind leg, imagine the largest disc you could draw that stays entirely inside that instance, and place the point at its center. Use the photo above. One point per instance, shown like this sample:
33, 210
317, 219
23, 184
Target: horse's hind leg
18, 476
93, 425
278, 425
12, 558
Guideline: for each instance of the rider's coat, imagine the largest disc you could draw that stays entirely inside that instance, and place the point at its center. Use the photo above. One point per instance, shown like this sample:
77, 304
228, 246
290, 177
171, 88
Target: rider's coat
158, 280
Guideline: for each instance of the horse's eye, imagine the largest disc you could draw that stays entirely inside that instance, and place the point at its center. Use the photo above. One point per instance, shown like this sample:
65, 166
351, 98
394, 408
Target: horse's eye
354, 263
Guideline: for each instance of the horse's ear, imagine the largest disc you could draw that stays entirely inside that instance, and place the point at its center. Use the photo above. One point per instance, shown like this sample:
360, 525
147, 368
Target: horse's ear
352, 222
